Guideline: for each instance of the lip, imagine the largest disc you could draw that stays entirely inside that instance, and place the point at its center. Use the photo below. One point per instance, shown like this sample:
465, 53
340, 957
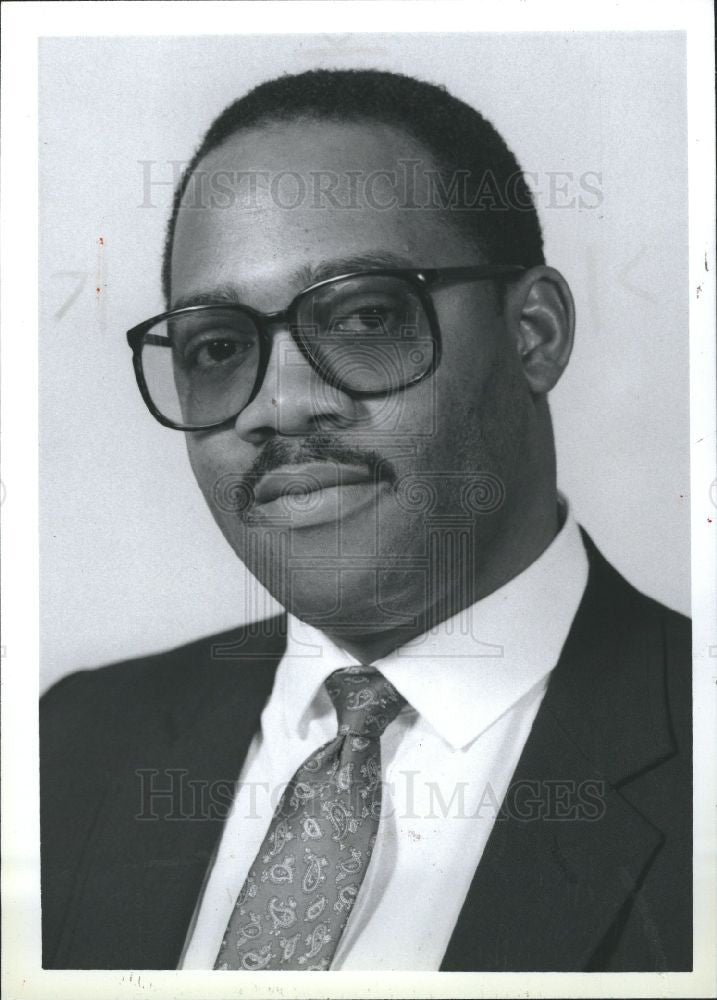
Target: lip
298, 480
313, 493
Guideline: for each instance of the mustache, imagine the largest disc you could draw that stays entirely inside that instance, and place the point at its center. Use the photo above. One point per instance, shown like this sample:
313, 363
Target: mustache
235, 492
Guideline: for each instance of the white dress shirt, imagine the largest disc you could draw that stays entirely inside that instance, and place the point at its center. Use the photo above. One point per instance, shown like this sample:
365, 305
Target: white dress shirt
473, 686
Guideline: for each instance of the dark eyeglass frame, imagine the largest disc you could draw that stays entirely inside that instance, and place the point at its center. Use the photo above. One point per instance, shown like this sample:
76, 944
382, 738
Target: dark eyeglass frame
421, 280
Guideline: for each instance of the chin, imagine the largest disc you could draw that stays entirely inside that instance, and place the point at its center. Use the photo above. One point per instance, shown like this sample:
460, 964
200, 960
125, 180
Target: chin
345, 599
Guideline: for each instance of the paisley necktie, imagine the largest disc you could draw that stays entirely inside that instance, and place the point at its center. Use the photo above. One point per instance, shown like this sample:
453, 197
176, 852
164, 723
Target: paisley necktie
294, 905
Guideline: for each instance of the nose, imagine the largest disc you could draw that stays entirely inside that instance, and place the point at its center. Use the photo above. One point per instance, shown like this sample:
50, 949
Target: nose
292, 399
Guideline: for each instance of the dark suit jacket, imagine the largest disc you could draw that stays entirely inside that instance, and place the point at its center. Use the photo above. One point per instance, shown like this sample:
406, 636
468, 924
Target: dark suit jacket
589, 867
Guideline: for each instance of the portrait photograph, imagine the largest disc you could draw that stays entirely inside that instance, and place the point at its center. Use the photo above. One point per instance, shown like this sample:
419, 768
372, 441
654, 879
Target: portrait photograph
359, 500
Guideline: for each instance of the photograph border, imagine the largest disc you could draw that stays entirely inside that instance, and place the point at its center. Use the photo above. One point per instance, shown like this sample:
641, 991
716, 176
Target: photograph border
23, 25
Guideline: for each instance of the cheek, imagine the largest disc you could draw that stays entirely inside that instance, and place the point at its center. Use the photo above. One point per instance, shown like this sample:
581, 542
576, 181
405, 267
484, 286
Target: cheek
407, 417
200, 459
437, 414
472, 336
217, 467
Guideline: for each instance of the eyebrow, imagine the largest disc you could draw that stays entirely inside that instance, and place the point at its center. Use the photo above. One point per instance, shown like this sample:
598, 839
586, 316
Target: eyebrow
355, 262
304, 276
218, 295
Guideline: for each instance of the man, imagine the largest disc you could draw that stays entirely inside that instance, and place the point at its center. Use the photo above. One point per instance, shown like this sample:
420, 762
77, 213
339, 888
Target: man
467, 744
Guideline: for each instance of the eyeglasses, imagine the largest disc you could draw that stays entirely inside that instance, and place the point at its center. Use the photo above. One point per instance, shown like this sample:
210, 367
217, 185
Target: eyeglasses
366, 333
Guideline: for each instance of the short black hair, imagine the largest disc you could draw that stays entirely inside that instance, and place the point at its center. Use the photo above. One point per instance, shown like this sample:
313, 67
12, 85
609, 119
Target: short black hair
461, 141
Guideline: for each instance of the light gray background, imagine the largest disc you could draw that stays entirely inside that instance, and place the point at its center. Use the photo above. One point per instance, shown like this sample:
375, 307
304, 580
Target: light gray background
131, 560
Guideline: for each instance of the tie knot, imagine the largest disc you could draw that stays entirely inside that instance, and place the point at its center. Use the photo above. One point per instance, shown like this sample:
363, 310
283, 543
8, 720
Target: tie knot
364, 700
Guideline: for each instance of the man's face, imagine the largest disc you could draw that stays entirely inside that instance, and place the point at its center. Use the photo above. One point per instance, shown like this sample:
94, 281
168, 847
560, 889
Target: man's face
415, 488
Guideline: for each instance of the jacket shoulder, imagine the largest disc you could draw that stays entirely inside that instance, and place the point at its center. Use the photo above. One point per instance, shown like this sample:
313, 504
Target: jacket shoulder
121, 694
623, 685
663, 636
622, 603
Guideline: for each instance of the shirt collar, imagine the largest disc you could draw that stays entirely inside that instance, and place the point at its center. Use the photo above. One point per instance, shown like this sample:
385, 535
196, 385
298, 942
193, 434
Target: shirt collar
465, 673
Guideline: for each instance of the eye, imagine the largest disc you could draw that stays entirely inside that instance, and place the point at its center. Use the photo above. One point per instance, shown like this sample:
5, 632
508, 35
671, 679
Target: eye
216, 350
366, 316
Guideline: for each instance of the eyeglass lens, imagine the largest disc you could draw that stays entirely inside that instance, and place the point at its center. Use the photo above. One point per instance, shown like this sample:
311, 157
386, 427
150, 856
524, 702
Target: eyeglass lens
368, 334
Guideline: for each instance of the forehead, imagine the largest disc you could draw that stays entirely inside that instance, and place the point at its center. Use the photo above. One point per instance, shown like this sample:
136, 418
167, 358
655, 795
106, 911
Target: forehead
273, 204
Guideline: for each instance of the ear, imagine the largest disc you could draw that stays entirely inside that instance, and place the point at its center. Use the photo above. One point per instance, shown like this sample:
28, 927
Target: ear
540, 316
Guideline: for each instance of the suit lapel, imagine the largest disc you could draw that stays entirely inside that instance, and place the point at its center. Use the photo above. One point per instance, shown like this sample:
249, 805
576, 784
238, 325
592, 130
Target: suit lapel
569, 849
146, 859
